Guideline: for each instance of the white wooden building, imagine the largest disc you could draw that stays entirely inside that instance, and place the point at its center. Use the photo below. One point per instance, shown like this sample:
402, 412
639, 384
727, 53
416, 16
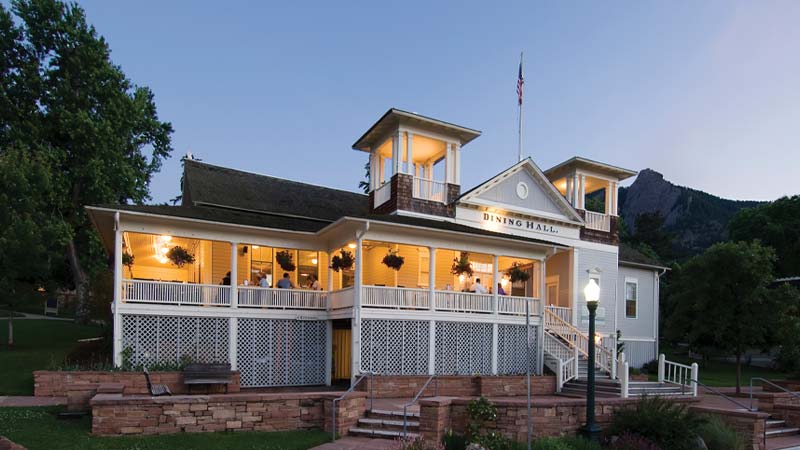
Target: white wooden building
420, 319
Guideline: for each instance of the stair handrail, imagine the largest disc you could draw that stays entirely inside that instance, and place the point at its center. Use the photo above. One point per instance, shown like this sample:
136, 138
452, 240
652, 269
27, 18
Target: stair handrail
414, 400
605, 359
771, 384
361, 376
717, 392
566, 367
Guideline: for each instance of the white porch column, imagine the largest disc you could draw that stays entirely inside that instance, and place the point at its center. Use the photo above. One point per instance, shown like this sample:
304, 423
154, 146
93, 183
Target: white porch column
382, 169
432, 347
233, 342
432, 277
117, 291
582, 193
397, 155
234, 275
568, 191
609, 200
542, 303
495, 282
495, 346
448, 163
575, 190
614, 193
357, 292
374, 166
328, 351
457, 153
409, 154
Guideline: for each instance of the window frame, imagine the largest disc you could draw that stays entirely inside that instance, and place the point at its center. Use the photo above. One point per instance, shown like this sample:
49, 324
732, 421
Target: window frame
635, 282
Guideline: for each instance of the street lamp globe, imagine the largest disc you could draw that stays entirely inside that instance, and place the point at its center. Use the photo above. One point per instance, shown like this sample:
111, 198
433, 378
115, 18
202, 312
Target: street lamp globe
592, 291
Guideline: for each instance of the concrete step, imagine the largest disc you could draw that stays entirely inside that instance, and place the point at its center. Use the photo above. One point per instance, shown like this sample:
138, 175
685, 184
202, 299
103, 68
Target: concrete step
383, 434
387, 414
384, 424
776, 423
776, 432
581, 392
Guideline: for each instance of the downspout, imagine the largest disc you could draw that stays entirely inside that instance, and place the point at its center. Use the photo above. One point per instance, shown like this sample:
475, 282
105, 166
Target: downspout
357, 291
656, 310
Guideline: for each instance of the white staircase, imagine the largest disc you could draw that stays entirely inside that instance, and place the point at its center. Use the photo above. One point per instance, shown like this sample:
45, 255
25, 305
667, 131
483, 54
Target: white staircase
565, 353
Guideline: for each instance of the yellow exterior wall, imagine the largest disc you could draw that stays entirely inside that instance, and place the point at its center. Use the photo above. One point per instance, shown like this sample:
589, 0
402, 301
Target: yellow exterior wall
220, 261
342, 351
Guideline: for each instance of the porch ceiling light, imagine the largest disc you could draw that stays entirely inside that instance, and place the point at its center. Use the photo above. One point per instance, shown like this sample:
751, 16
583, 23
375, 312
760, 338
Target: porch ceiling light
166, 238
351, 245
592, 292
162, 259
314, 261
164, 250
255, 247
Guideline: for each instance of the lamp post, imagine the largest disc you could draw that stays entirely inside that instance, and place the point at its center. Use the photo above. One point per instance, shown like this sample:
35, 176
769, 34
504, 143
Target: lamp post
592, 293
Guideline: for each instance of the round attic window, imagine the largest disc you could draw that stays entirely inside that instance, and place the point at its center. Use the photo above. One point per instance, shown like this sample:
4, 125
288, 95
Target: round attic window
522, 190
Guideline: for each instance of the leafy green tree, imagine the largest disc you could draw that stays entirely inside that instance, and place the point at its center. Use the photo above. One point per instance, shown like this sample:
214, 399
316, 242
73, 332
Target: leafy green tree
364, 184
65, 103
650, 233
722, 303
775, 224
788, 329
27, 227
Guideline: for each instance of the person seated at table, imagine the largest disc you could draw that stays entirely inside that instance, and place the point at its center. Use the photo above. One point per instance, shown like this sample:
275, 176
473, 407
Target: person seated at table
448, 287
500, 290
478, 287
262, 281
285, 282
226, 280
313, 283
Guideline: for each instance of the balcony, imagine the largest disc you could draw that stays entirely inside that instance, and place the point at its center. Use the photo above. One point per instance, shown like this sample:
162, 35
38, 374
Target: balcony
158, 293
597, 221
425, 189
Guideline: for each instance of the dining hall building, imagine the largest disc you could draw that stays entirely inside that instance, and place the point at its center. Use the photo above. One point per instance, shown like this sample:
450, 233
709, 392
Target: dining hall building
419, 276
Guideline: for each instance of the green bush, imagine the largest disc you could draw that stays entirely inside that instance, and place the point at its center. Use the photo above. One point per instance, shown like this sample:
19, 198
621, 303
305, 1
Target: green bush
629, 441
670, 425
565, 443
454, 441
718, 436
650, 367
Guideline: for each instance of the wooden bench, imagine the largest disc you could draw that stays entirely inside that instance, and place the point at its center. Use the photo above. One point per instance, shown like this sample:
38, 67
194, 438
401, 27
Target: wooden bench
208, 374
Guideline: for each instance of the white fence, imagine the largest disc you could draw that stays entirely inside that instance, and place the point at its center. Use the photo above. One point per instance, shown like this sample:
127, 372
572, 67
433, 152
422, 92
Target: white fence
258, 297
514, 305
463, 302
382, 195
341, 299
430, 190
680, 374
562, 313
135, 291
598, 221
395, 298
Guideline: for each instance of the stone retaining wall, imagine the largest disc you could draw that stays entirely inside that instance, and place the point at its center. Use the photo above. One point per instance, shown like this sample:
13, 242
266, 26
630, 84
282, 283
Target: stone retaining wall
788, 412
5, 444
52, 383
114, 414
751, 425
551, 417
458, 386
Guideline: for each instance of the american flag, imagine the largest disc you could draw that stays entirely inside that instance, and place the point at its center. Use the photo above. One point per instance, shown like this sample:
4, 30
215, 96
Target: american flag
520, 82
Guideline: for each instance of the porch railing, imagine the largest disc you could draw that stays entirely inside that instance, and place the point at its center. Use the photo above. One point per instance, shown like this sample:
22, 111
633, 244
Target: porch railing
171, 293
514, 305
562, 313
598, 221
462, 302
604, 358
676, 373
382, 195
258, 297
395, 298
429, 190
341, 299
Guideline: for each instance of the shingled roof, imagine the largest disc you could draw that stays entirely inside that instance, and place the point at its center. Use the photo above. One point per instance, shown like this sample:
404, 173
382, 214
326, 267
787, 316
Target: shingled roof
209, 185
628, 254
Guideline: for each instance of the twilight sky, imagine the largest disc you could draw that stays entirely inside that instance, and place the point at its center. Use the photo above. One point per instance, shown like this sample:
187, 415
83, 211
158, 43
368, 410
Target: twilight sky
708, 93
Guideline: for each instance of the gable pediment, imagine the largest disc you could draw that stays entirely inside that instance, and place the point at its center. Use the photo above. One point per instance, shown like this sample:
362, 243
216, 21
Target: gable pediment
523, 189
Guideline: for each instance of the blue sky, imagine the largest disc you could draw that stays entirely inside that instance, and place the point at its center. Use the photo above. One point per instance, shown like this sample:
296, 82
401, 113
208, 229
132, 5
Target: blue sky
707, 93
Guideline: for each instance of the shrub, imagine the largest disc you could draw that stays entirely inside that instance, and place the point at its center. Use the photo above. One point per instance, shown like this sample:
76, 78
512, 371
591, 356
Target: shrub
718, 436
454, 441
650, 367
416, 443
668, 424
630, 441
565, 443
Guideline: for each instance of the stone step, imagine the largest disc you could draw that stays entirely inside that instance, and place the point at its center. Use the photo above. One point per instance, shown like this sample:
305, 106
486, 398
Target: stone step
387, 414
775, 432
775, 423
387, 424
581, 393
384, 434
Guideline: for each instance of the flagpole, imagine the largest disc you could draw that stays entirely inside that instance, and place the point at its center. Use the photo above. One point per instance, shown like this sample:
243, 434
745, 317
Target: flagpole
519, 143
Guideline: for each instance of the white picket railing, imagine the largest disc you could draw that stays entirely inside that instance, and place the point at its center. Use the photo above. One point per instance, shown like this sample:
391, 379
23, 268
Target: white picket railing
382, 195
515, 305
463, 302
680, 374
566, 359
604, 358
598, 221
164, 292
258, 297
429, 190
395, 298
564, 314
341, 299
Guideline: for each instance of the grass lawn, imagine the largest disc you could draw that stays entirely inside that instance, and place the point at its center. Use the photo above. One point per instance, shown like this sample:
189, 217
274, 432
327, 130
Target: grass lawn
4, 314
723, 374
39, 429
38, 344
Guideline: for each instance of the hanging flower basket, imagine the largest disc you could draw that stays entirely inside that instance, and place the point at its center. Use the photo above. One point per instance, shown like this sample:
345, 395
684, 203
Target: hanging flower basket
127, 260
461, 265
343, 261
393, 260
515, 273
285, 260
179, 256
